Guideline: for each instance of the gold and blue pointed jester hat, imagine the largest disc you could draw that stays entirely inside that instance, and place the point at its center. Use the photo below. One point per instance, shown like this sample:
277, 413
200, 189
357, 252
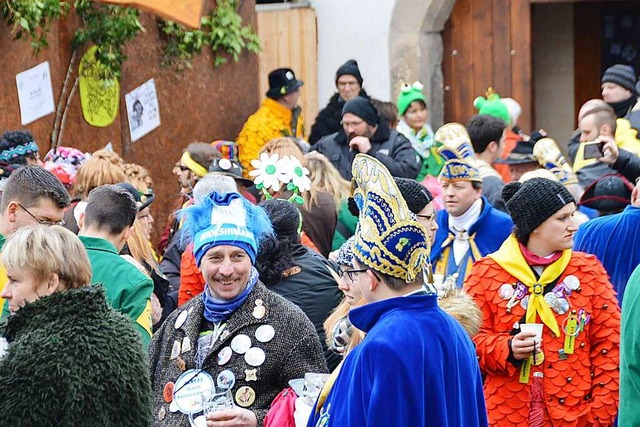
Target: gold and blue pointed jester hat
388, 238
458, 152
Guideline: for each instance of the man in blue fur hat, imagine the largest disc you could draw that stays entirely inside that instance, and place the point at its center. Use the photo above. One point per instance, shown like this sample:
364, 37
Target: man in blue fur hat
435, 379
469, 227
237, 335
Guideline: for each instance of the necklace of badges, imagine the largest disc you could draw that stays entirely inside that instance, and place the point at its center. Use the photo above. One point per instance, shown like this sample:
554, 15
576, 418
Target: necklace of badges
557, 299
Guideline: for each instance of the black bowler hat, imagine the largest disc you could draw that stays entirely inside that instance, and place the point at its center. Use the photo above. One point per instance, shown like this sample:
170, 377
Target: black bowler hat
281, 82
142, 200
231, 169
521, 154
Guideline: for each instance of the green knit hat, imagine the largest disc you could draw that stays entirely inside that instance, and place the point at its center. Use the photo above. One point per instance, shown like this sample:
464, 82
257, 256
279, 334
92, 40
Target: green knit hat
408, 94
493, 106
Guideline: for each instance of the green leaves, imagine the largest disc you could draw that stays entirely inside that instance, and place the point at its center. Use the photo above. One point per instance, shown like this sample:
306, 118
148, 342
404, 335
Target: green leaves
33, 18
110, 28
221, 31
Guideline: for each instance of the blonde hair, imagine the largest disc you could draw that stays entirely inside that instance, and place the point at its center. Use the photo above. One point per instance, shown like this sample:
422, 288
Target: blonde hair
43, 250
288, 147
325, 177
103, 167
338, 314
141, 250
138, 176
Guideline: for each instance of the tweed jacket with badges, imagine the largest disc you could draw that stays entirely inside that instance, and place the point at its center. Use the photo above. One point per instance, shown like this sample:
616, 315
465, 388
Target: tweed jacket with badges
580, 389
293, 351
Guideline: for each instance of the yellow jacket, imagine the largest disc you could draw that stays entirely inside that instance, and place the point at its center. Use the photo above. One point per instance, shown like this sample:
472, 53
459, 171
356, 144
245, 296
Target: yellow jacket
626, 138
272, 120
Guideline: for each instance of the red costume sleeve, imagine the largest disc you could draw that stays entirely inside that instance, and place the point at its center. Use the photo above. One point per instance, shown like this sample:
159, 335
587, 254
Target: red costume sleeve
492, 348
191, 280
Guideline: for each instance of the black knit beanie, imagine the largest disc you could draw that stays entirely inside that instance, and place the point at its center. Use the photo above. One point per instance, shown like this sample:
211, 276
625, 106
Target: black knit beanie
622, 75
363, 108
415, 194
351, 68
531, 203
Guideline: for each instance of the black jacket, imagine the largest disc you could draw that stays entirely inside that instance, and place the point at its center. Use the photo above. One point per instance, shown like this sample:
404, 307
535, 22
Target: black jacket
387, 145
311, 286
628, 164
329, 118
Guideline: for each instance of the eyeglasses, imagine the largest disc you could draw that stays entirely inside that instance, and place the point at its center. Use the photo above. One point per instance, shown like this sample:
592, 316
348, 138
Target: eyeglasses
353, 274
345, 84
431, 217
354, 124
41, 221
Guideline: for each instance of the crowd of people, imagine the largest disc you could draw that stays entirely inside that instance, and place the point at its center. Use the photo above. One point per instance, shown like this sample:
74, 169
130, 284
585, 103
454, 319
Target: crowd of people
468, 276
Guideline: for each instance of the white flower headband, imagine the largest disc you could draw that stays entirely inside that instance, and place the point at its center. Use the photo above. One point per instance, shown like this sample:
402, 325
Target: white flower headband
271, 172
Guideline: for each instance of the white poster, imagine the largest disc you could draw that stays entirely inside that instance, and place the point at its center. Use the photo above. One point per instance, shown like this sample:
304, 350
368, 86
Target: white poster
142, 110
35, 94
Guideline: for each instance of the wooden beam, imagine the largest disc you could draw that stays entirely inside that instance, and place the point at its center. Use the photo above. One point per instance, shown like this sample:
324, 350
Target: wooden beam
186, 12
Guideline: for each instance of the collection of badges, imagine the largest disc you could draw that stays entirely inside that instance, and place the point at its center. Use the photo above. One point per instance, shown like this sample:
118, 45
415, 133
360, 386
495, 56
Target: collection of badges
557, 299
184, 394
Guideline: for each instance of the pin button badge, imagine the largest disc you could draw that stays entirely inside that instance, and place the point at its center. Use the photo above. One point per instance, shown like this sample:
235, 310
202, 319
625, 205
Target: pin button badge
186, 344
167, 392
265, 333
175, 350
250, 375
259, 311
255, 356
162, 413
241, 343
182, 317
245, 396
226, 380
224, 355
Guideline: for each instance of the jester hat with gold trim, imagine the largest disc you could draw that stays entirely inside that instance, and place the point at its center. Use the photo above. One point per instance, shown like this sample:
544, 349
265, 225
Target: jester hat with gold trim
458, 152
388, 238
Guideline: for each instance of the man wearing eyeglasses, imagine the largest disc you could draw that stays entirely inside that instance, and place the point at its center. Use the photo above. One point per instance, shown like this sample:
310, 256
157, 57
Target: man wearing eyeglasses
364, 132
32, 195
416, 366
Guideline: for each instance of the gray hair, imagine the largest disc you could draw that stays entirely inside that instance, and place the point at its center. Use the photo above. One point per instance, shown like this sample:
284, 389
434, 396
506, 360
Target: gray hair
211, 182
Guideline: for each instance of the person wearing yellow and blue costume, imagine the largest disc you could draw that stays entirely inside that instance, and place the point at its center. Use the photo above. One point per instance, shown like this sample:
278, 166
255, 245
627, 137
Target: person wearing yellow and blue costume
469, 227
435, 380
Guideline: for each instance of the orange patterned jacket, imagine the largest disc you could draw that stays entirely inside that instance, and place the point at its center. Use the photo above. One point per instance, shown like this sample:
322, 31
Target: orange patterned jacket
579, 391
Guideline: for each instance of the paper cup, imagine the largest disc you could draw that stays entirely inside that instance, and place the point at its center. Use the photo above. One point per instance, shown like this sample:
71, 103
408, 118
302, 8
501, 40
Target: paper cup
532, 327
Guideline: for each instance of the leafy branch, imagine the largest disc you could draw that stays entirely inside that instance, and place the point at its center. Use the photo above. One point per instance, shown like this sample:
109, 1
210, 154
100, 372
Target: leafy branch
221, 30
110, 28
33, 18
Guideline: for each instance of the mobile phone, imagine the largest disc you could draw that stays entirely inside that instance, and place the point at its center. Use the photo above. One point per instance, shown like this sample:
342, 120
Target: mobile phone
593, 150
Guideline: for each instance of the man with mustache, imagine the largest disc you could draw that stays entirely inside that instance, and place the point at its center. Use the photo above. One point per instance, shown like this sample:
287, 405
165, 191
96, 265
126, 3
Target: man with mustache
365, 133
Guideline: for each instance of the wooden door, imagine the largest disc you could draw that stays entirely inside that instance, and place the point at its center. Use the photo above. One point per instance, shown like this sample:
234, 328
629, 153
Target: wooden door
487, 43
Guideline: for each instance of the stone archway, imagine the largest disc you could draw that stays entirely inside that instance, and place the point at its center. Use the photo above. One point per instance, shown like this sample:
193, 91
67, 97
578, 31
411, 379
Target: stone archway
416, 49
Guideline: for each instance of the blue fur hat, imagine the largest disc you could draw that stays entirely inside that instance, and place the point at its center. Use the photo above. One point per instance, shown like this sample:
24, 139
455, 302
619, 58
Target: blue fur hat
225, 219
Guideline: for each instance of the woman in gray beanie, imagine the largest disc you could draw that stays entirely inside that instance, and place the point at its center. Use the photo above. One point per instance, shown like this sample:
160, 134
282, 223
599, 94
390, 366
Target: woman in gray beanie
564, 368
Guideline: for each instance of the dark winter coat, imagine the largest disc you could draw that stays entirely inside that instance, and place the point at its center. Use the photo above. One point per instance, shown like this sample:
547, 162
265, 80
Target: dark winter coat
628, 164
294, 350
311, 286
389, 146
329, 118
73, 361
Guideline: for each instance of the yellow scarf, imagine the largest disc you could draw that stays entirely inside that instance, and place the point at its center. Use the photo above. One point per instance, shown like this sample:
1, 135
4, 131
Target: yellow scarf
510, 258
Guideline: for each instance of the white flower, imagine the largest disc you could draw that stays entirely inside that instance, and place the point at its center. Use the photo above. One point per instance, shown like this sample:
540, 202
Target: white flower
267, 173
296, 174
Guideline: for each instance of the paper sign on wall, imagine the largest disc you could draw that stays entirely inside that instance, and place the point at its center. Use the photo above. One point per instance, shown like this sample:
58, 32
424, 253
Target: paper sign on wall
35, 94
143, 110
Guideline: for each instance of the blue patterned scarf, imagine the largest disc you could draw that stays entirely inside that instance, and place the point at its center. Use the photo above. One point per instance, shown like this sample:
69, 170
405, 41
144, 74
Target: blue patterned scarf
217, 310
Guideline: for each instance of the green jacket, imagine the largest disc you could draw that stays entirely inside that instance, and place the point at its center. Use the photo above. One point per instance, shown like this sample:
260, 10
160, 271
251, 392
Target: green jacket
73, 361
128, 289
629, 413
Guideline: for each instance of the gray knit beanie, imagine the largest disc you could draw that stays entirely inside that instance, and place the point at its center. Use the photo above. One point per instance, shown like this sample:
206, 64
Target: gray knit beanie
531, 203
622, 75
